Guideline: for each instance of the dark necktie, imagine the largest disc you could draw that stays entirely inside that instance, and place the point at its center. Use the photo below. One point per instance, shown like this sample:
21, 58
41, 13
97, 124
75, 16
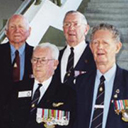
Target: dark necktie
69, 70
16, 67
98, 112
35, 99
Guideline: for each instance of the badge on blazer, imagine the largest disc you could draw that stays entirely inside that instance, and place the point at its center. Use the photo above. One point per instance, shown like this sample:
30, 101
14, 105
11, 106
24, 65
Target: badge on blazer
121, 107
57, 104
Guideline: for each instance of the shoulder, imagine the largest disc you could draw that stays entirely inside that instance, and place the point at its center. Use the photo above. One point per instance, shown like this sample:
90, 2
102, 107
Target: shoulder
28, 47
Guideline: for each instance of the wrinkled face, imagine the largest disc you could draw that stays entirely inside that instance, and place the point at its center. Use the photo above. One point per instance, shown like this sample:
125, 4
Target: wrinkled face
18, 30
43, 64
104, 48
74, 29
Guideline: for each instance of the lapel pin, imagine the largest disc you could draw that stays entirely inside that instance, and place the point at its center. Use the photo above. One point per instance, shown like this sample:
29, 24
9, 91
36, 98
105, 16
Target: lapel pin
115, 96
117, 91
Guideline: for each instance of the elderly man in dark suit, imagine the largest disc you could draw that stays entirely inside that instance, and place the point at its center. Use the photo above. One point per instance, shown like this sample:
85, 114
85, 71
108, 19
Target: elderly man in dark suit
76, 57
42, 101
105, 91
15, 56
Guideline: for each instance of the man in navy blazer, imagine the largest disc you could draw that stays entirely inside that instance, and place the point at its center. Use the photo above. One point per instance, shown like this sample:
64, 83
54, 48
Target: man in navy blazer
113, 111
75, 29
56, 100
17, 32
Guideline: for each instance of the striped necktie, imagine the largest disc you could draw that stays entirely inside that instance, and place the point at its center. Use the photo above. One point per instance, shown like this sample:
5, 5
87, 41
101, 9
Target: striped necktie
35, 99
70, 63
99, 106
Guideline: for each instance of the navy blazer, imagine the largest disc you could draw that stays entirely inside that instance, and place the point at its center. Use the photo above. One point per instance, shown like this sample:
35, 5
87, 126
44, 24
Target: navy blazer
86, 63
6, 79
6, 65
85, 99
20, 107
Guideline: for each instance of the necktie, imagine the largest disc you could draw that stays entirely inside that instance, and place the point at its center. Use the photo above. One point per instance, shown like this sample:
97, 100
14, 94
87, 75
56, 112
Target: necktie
69, 70
16, 67
98, 112
35, 99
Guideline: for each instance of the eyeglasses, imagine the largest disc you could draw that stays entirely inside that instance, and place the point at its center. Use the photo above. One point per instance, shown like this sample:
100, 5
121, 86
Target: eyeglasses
41, 60
74, 24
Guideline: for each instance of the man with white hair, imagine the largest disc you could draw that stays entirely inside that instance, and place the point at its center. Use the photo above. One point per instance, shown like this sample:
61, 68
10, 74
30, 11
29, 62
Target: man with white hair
42, 101
15, 56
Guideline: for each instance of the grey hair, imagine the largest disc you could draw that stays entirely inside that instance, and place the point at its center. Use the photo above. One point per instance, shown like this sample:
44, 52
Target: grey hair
52, 47
20, 15
76, 12
109, 27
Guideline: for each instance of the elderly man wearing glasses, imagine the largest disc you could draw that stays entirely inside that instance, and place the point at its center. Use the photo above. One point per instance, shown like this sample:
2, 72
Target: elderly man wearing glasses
42, 101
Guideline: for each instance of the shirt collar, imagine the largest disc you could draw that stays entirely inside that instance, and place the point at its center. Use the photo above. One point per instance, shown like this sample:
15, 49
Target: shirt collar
81, 45
108, 75
21, 49
45, 84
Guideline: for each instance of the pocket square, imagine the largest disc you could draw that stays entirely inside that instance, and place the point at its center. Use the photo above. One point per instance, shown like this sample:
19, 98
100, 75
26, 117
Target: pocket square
77, 73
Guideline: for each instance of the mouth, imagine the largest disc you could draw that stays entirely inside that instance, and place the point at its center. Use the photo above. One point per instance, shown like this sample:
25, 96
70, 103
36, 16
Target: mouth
71, 34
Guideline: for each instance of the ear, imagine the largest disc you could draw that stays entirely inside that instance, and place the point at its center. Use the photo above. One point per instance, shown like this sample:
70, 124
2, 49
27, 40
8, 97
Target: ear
118, 46
29, 31
56, 62
5, 32
87, 29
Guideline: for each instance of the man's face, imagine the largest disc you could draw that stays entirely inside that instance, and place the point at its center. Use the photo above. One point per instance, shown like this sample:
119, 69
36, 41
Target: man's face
18, 30
43, 64
104, 48
74, 29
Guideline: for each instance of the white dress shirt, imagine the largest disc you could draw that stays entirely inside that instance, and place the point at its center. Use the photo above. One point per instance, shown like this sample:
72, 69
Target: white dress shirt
109, 81
43, 88
78, 50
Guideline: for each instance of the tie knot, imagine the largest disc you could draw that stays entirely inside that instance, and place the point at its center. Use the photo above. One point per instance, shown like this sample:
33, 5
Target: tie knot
16, 52
39, 85
102, 78
72, 49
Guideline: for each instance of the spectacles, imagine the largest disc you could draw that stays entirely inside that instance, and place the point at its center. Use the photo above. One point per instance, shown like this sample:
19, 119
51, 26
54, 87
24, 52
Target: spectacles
74, 24
41, 60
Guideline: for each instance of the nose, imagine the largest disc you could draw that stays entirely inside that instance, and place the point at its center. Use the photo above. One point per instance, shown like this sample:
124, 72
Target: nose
100, 45
71, 27
17, 29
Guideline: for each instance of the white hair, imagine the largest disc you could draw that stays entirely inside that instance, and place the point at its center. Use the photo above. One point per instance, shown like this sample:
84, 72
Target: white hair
52, 47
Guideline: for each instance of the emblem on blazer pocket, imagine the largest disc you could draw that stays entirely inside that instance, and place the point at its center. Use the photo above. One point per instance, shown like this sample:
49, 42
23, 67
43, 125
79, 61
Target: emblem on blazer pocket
121, 107
57, 104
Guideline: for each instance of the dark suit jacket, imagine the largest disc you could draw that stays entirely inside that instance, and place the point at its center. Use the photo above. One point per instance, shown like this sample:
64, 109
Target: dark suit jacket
20, 107
85, 63
6, 72
85, 99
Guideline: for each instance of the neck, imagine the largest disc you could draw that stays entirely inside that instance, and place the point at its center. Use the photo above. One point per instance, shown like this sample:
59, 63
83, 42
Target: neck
17, 45
104, 68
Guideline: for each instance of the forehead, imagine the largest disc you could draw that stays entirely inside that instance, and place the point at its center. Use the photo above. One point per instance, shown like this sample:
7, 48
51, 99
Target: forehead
102, 35
42, 52
17, 20
73, 17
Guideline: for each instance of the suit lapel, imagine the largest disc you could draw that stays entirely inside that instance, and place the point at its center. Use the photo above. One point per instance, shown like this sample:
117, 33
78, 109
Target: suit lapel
27, 66
117, 94
49, 94
7, 59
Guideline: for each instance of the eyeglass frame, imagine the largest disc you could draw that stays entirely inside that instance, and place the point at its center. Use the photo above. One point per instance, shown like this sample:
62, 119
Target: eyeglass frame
74, 24
41, 60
